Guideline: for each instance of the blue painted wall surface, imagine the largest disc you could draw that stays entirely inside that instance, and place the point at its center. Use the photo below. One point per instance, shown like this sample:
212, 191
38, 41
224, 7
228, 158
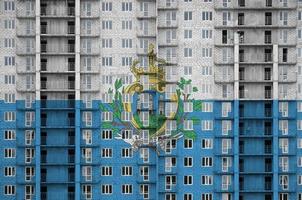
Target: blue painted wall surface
57, 146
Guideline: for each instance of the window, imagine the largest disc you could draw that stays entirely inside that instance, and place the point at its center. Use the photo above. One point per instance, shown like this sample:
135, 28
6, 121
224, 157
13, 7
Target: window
284, 17
9, 42
126, 61
9, 79
226, 126
126, 134
169, 163
127, 153
188, 180
107, 97
206, 125
206, 34
87, 155
206, 161
106, 153
87, 137
144, 154
87, 8
87, 191
283, 126
9, 116
299, 143
206, 143
9, 171
206, 180
29, 155
107, 61
107, 25
188, 106
127, 171
126, 116
106, 171
144, 190
188, 70
188, 52
188, 143
106, 6
127, 6
188, 34
226, 163
107, 116
226, 18
299, 162
240, 18
9, 98
29, 118
241, 3
9, 61
283, 163
29, 173
283, 181
170, 182
299, 106
206, 15
87, 118
226, 109
226, 145
268, 18
224, 36
126, 43
9, 190
206, 107
207, 196
9, 135
9, 24
87, 173
29, 192
9, 153
188, 124
206, 70
127, 25
9, 5
106, 189
206, 52
188, 15
107, 43
188, 196
127, 189
144, 172
107, 134
226, 182
283, 145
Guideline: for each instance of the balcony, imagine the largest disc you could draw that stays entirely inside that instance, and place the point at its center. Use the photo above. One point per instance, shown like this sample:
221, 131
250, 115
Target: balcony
61, 49
21, 12
57, 85
167, 5
64, 31
63, 104
50, 13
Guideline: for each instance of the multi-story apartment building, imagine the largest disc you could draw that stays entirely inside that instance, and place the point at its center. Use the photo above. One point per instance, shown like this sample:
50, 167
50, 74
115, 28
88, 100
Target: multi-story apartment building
151, 99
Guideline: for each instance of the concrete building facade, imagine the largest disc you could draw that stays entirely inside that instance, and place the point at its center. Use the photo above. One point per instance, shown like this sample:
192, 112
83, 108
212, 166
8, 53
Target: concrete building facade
151, 99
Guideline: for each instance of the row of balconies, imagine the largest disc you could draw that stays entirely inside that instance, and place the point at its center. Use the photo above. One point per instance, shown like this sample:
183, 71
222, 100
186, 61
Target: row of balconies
255, 5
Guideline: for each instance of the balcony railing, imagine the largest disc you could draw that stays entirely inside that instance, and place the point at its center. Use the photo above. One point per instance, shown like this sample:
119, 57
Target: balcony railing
70, 48
70, 85
70, 11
